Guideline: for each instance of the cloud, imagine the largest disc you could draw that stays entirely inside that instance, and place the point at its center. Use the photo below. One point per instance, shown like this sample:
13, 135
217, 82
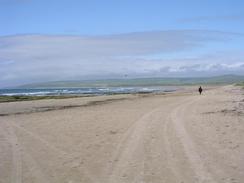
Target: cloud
197, 67
231, 18
41, 47
37, 58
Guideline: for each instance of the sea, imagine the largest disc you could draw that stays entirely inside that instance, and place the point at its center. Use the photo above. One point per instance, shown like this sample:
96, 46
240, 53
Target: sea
83, 91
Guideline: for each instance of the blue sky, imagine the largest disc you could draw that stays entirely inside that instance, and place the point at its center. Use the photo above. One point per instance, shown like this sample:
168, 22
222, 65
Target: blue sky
96, 17
43, 40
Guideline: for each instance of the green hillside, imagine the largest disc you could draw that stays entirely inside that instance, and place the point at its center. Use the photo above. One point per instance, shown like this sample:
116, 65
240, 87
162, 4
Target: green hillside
217, 80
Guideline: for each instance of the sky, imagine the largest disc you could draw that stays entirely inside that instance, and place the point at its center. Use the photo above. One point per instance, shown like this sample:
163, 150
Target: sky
52, 40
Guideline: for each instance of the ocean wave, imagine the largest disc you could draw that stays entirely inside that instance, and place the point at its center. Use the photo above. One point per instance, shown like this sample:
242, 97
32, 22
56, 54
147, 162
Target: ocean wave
77, 91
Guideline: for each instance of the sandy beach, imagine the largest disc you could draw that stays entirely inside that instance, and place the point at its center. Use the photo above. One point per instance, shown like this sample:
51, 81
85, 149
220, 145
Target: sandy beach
180, 137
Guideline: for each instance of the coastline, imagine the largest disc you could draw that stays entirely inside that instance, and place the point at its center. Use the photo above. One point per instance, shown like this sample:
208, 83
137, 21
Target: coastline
15, 97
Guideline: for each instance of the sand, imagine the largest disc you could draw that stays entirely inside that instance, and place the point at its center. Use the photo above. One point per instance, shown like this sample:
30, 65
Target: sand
174, 138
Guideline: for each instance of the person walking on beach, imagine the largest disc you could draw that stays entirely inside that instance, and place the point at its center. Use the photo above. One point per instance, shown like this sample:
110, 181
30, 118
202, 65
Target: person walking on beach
200, 90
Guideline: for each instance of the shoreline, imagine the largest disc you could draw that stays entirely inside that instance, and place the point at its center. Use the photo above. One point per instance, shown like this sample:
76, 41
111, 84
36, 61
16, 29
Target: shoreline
30, 97
36, 104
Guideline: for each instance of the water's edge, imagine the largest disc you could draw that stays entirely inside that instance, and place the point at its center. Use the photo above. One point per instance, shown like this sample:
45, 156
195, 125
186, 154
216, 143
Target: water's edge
84, 91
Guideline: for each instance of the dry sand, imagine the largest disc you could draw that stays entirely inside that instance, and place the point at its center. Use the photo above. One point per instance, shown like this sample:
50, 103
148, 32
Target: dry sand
173, 138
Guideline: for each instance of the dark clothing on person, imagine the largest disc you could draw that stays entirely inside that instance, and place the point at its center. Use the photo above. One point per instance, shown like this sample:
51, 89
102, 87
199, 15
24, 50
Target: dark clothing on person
200, 90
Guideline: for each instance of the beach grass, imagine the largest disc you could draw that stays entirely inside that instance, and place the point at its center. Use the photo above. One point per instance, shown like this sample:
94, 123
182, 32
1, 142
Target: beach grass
240, 84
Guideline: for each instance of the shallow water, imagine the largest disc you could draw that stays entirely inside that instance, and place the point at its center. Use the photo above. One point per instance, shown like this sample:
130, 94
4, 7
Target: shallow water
88, 90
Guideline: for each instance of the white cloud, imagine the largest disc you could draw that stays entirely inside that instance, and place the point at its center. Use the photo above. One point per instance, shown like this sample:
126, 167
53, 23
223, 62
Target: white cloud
212, 18
35, 58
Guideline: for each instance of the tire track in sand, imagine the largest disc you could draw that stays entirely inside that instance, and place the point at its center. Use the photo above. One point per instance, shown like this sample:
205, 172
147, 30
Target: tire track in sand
171, 159
177, 118
54, 149
18, 151
132, 142
123, 155
10, 136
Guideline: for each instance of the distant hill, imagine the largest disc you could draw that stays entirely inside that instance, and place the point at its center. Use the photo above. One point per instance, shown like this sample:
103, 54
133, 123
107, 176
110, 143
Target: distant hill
216, 80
